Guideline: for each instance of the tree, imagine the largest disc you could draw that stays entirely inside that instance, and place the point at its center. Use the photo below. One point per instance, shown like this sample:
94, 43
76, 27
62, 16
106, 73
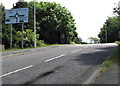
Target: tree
55, 24
112, 25
5, 28
94, 40
19, 4
119, 35
16, 27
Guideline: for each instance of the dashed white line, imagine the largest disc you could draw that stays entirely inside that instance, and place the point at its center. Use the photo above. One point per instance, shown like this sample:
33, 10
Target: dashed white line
54, 58
16, 71
76, 50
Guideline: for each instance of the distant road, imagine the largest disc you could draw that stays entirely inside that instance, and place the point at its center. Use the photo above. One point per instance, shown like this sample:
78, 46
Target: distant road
65, 64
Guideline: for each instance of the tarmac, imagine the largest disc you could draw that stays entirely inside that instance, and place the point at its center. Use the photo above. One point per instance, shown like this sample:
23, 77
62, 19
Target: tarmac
110, 76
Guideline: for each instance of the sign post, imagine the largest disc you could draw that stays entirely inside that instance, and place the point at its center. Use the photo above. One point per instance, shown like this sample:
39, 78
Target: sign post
10, 36
22, 35
14, 16
34, 23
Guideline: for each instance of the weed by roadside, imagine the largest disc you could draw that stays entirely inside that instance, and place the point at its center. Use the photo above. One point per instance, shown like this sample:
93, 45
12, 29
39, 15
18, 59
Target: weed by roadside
118, 42
14, 49
111, 60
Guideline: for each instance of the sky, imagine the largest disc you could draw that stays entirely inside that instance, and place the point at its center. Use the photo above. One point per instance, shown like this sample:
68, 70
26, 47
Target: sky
89, 15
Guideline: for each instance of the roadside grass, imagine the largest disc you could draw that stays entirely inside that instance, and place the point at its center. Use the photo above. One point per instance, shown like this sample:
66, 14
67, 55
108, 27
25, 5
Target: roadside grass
117, 42
114, 58
42, 45
14, 49
72, 43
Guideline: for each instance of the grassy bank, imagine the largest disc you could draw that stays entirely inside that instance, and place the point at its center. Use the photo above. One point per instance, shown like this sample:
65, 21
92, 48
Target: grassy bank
117, 42
14, 49
111, 59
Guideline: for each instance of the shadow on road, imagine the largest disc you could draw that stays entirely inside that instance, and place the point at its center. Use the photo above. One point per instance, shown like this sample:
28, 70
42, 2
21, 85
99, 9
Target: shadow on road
96, 57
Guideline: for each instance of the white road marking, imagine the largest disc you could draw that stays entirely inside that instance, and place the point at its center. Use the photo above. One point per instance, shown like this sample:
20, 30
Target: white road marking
54, 58
16, 71
76, 50
92, 77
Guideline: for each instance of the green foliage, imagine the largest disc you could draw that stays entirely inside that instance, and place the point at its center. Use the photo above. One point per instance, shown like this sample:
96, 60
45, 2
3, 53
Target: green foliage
40, 43
94, 40
5, 28
21, 5
118, 42
28, 38
77, 40
112, 25
54, 25
107, 63
114, 58
72, 42
119, 35
84, 43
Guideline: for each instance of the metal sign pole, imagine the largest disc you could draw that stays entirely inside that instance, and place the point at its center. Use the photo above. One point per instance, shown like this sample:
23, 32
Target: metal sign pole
14, 16
10, 36
34, 23
22, 35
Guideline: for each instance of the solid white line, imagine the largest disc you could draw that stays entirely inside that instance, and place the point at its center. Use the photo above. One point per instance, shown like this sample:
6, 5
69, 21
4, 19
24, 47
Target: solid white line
76, 50
55, 58
16, 71
92, 77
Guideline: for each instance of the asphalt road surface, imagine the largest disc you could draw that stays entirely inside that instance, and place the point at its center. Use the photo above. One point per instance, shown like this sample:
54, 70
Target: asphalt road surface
63, 64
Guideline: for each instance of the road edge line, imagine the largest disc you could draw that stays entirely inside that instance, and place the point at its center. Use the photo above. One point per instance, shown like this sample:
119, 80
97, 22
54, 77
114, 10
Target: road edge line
92, 77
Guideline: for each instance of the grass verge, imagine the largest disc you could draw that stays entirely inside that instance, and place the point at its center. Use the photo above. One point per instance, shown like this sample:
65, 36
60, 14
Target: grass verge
14, 49
117, 42
111, 60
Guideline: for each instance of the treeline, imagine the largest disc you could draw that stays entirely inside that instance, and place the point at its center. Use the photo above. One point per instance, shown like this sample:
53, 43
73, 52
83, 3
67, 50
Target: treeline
54, 25
110, 32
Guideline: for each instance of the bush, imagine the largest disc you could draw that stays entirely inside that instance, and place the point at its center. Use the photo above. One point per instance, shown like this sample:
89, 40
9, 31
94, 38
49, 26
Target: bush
72, 42
107, 63
84, 43
118, 42
40, 43
28, 38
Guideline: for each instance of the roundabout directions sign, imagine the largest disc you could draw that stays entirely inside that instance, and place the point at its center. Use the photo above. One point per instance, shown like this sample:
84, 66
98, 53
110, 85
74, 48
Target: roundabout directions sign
19, 15
15, 16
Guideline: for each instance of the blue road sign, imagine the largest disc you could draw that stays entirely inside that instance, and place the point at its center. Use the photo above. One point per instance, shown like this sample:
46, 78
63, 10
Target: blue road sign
19, 15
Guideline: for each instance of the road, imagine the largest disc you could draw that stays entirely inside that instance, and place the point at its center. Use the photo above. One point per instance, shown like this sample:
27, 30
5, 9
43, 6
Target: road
63, 64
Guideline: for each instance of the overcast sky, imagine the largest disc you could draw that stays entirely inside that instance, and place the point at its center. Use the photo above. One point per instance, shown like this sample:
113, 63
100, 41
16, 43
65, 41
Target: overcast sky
89, 15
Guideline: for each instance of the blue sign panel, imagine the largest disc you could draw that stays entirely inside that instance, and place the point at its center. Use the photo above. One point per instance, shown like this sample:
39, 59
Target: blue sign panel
19, 15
